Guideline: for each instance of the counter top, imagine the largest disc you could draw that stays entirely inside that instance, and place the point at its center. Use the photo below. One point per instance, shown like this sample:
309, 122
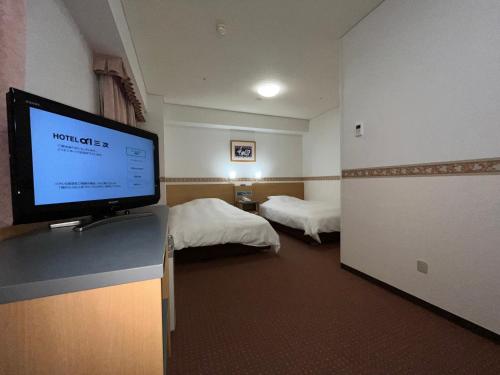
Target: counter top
49, 262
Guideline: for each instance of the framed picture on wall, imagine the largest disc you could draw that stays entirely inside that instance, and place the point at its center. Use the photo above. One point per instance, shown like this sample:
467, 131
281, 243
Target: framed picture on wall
243, 151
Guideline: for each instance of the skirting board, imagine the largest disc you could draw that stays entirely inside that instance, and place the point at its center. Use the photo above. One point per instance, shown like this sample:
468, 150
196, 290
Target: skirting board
477, 329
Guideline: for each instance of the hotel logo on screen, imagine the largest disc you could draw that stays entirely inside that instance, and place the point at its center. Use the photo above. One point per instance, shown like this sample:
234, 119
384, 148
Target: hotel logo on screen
82, 140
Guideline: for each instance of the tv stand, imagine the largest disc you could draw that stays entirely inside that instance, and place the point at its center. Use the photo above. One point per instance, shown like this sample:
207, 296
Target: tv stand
95, 221
97, 302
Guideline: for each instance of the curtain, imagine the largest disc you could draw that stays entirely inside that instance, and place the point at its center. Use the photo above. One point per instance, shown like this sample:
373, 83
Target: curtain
12, 62
117, 96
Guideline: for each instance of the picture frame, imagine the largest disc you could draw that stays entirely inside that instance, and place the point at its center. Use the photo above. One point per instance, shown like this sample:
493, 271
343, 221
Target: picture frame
243, 151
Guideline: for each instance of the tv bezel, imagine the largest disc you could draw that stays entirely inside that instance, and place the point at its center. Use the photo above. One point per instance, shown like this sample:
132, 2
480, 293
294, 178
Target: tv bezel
21, 163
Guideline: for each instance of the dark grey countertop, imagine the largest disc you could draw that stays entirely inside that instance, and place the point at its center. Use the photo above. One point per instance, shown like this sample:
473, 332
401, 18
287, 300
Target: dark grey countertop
50, 262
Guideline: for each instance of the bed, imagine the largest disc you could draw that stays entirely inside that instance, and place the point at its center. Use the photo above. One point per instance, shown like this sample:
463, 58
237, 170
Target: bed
212, 221
312, 217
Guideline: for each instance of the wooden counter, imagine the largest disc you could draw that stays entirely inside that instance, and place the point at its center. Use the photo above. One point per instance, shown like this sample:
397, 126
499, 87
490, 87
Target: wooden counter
67, 307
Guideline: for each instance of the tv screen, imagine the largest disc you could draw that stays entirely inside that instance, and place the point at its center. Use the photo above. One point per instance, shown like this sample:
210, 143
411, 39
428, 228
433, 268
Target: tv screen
66, 162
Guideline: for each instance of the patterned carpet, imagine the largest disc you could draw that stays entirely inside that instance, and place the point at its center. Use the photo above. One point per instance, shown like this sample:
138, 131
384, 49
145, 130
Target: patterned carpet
299, 313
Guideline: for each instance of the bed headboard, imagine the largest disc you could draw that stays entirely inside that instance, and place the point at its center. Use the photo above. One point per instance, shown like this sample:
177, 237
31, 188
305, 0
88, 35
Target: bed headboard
263, 190
177, 194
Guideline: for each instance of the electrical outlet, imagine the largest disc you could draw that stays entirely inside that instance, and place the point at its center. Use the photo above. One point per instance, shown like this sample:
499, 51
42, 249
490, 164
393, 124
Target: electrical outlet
422, 266
358, 129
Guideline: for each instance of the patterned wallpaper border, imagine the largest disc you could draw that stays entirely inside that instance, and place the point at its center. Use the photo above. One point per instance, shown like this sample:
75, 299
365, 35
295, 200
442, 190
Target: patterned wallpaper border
320, 178
453, 168
246, 179
490, 166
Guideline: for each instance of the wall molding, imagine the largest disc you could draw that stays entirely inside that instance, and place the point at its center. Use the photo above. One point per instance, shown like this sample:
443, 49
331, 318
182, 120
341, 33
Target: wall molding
474, 167
245, 179
489, 166
320, 178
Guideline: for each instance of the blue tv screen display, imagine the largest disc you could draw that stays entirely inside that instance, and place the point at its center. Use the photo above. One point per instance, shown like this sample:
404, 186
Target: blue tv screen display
76, 161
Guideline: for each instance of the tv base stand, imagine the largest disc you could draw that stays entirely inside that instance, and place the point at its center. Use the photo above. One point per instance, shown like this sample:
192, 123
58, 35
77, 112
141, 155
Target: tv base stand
65, 224
82, 225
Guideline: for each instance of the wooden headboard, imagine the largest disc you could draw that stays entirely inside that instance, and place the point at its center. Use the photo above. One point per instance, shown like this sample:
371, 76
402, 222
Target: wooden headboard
264, 190
178, 194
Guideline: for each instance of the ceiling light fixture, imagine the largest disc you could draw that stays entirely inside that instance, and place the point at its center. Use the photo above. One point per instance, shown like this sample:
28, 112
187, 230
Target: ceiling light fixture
268, 89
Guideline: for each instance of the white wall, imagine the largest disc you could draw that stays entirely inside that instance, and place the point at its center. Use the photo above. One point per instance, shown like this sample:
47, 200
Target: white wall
205, 152
105, 28
323, 190
58, 60
424, 78
322, 145
321, 157
155, 123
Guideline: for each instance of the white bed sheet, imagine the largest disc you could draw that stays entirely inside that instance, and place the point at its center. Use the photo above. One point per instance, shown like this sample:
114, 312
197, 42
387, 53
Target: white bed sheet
211, 221
310, 216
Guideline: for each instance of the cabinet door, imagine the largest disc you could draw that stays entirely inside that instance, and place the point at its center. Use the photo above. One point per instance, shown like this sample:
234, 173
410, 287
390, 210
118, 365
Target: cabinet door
105, 331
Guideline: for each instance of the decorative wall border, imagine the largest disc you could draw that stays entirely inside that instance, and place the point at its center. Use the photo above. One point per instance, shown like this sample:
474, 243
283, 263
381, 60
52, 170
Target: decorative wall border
489, 166
245, 179
321, 178
453, 168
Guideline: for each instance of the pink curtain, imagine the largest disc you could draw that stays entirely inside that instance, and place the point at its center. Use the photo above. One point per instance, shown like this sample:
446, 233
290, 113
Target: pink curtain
12, 62
117, 97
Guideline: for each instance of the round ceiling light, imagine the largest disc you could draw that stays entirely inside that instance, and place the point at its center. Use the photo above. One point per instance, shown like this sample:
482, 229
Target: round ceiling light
268, 89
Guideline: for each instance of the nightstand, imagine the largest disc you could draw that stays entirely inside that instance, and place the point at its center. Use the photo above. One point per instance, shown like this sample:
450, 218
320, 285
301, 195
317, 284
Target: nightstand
248, 206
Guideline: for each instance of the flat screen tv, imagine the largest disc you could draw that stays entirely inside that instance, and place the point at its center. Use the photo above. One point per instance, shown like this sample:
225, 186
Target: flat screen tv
68, 163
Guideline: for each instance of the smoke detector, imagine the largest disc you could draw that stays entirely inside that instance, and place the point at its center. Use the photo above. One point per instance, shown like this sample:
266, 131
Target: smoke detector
221, 28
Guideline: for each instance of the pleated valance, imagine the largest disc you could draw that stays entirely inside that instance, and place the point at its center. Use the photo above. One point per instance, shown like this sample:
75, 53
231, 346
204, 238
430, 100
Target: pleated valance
112, 66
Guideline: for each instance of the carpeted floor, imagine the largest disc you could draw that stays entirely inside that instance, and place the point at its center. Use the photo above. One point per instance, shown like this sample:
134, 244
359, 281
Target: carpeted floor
299, 313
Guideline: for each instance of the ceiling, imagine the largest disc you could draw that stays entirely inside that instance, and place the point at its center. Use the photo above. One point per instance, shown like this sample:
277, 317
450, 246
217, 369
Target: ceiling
294, 42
